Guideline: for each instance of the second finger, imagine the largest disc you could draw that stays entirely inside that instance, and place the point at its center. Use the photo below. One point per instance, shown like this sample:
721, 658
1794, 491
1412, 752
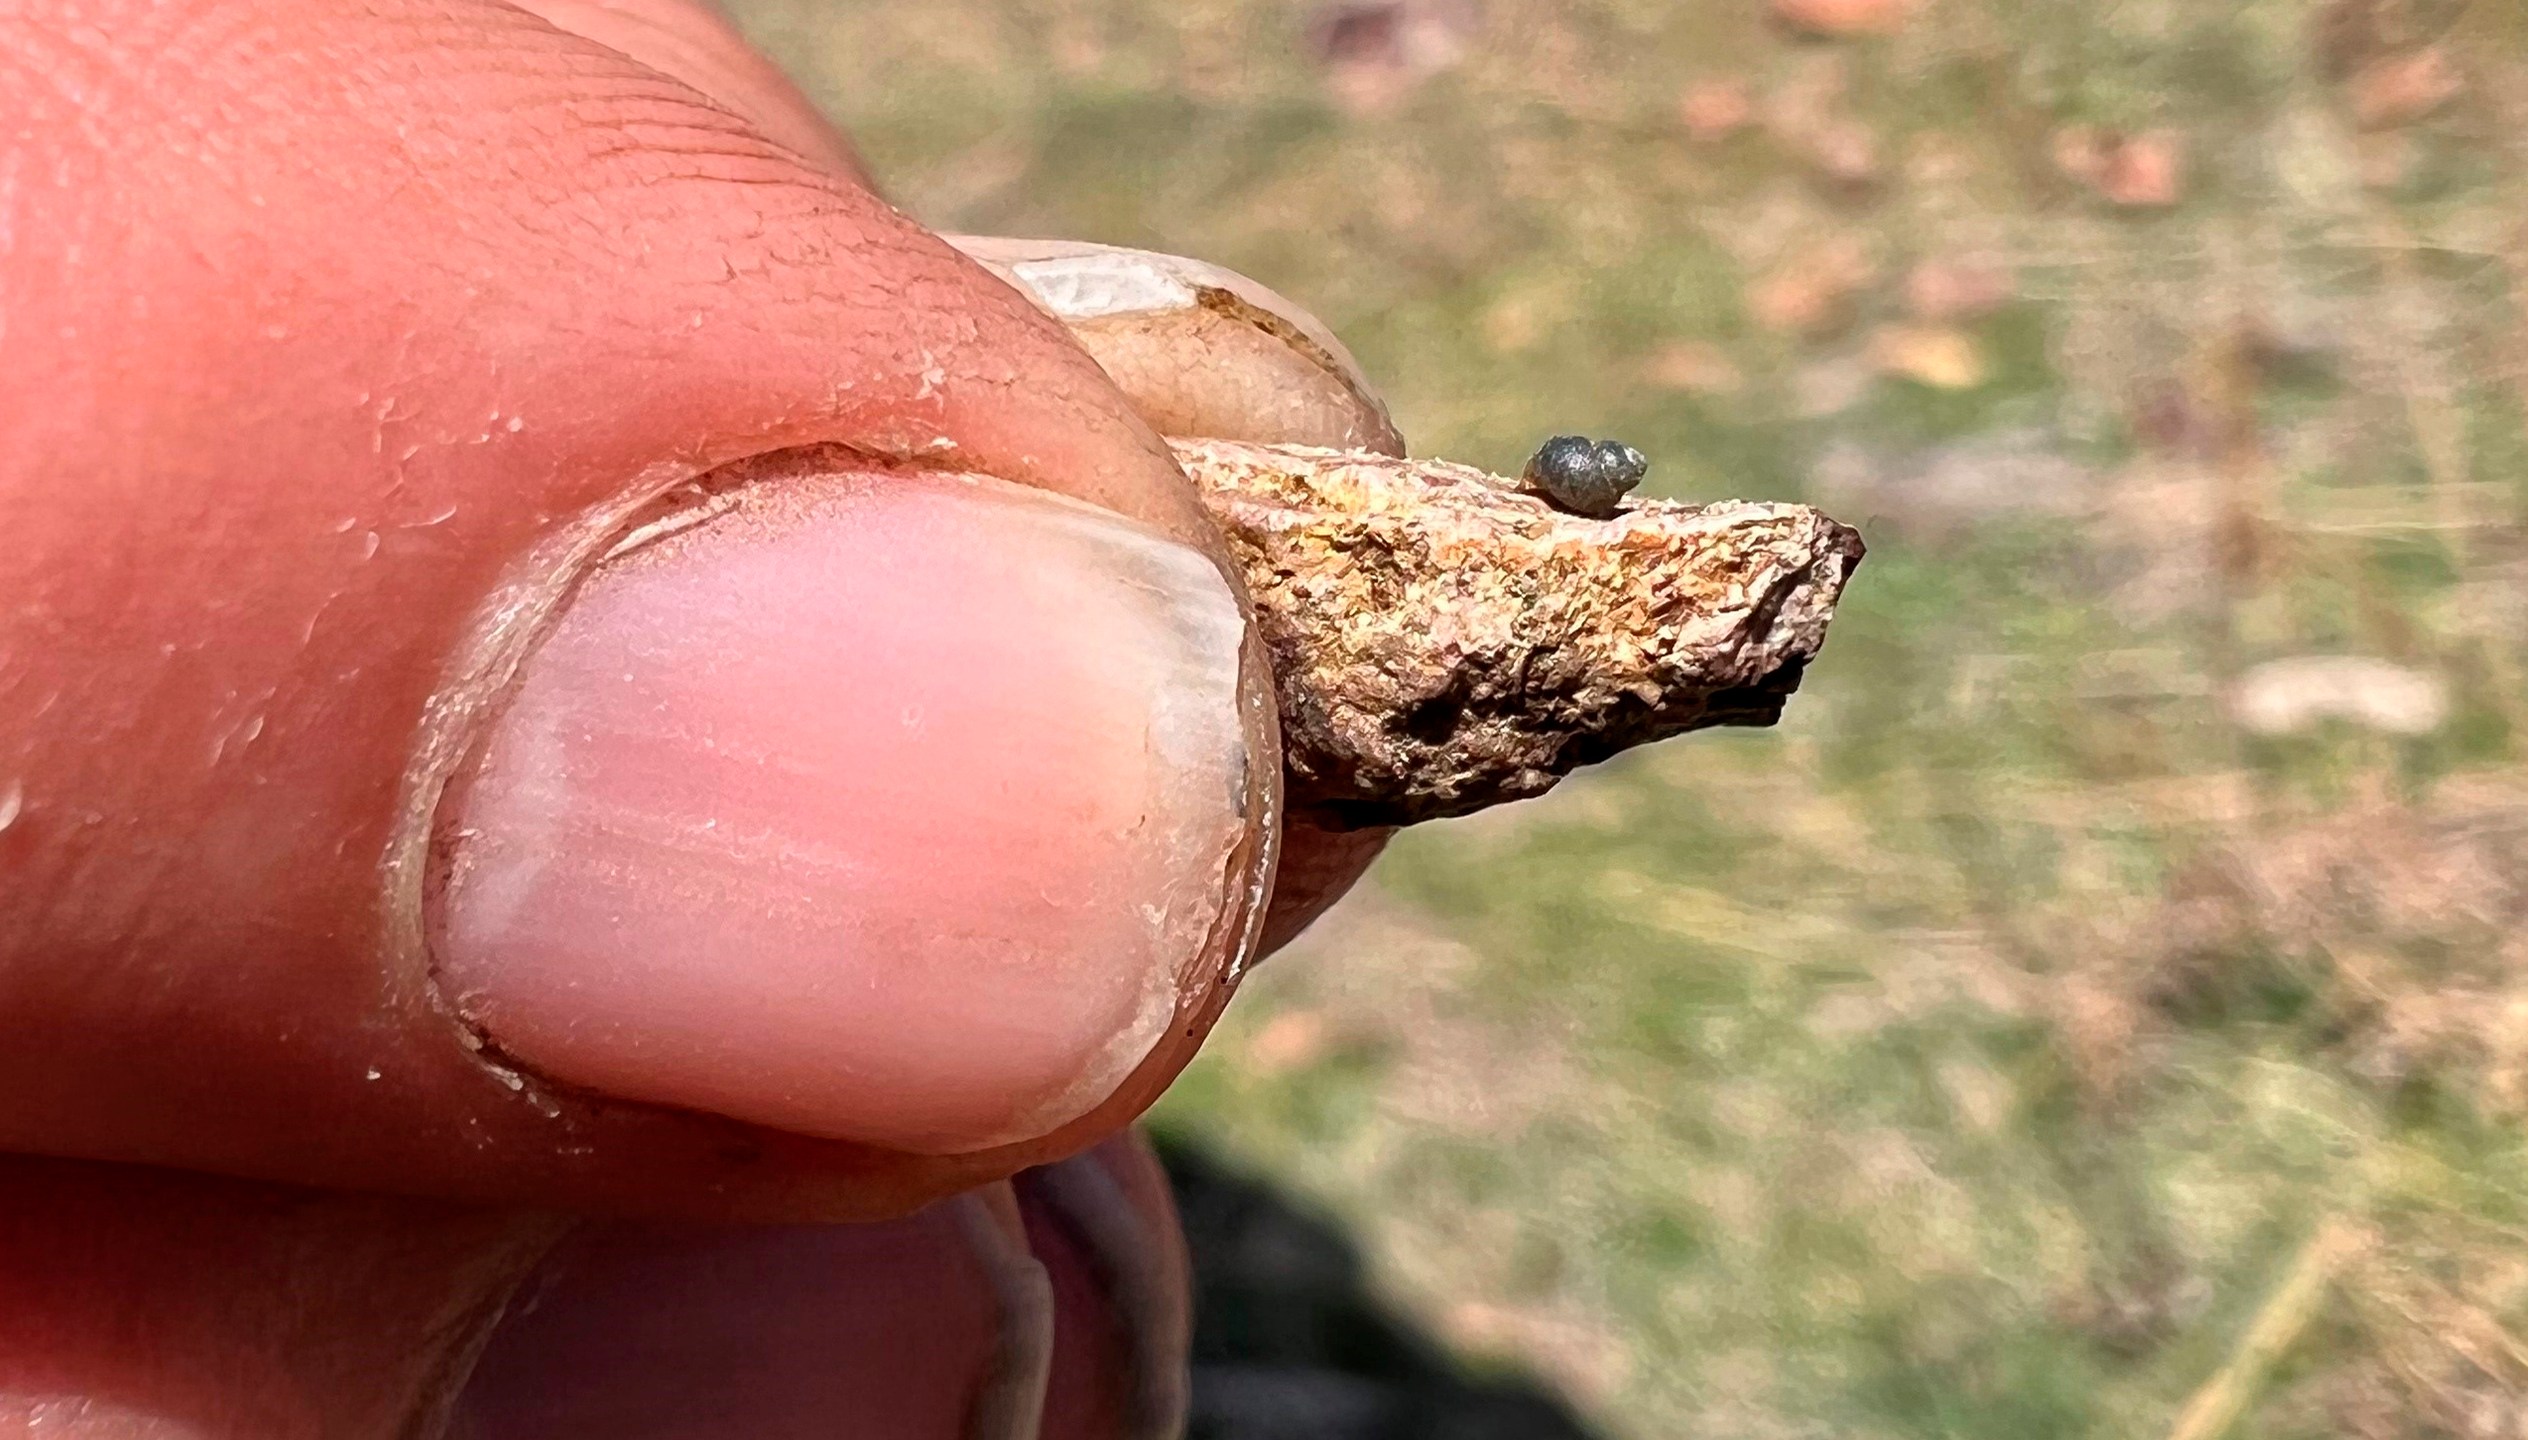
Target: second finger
1204, 352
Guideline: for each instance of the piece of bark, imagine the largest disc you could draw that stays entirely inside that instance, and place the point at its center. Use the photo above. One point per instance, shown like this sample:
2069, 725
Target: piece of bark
1445, 640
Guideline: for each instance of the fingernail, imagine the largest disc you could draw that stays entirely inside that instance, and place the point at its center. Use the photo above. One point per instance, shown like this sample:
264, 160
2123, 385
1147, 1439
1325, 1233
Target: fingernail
1199, 350
894, 809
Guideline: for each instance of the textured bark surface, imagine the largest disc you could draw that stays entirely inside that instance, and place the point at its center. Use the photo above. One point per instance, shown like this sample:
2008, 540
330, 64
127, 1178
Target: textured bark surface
1445, 640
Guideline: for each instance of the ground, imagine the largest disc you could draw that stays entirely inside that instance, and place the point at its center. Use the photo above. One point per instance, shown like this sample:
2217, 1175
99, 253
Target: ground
2101, 1007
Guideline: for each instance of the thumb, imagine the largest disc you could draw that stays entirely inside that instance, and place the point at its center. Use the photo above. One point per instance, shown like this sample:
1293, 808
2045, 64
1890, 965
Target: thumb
802, 811
557, 652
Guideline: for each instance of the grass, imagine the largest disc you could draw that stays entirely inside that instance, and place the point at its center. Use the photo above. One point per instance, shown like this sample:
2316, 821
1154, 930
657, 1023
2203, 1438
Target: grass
1976, 1054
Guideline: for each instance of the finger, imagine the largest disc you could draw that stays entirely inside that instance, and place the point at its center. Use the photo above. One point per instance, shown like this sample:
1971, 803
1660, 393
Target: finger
694, 42
1198, 349
1201, 351
149, 1303
1207, 352
1104, 1226
933, 1327
551, 653
1056, 1309
153, 1303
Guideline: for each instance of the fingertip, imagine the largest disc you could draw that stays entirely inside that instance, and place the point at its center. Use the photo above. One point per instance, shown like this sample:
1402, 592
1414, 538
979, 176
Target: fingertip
899, 809
269, 516
1201, 351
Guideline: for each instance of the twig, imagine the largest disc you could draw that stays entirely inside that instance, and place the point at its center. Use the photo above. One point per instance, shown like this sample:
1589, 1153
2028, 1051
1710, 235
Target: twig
2286, 1314
1444, 639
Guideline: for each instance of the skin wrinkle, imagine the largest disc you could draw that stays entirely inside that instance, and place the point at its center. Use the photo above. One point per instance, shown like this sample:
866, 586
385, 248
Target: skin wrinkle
612, 96
697, 43
666, 109
601, 95
614, 160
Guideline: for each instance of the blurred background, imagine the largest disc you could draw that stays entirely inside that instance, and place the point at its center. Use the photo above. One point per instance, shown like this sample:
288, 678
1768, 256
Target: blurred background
2101, 1007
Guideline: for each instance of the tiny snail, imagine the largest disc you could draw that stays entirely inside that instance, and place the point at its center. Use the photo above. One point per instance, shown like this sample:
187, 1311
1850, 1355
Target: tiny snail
1584, 476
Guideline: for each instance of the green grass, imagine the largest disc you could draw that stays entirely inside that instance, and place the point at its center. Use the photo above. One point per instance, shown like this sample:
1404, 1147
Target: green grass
1967, 1057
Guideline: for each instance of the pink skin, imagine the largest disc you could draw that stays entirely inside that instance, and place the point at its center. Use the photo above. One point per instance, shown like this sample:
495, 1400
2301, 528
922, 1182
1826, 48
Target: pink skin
813, 769
331, 325
772, 1332
637, 1331
306, 423
699, 46
1119, 1317
151, 1305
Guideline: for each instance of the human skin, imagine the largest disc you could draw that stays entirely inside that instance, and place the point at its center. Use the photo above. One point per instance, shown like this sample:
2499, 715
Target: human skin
344, 345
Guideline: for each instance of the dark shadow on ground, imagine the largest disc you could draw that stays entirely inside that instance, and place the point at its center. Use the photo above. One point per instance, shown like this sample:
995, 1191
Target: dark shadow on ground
1290, 1345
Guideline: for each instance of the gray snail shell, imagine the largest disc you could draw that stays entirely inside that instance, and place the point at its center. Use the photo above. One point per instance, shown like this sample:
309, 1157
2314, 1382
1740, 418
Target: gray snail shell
1584, 476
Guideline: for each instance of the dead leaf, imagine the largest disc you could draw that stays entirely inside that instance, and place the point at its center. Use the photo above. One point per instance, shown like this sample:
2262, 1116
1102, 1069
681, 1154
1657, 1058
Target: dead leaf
2140, 170
2080, 151
1941, 291
1695, 367
1375, 52
1289, 1041
1520, 319
1844, 17
2148, 169
2383, 158
1811, 293
2402, 89
1714, 110
1807, 111
1934, 355
2099, 1021
2284, 697
1846, 150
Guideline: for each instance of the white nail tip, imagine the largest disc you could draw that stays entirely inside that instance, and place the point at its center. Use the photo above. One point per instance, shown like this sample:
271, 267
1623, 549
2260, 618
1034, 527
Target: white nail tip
1113, 282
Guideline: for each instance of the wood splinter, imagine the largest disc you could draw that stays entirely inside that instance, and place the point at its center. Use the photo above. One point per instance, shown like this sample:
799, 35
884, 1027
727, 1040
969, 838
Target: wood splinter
1444, 639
